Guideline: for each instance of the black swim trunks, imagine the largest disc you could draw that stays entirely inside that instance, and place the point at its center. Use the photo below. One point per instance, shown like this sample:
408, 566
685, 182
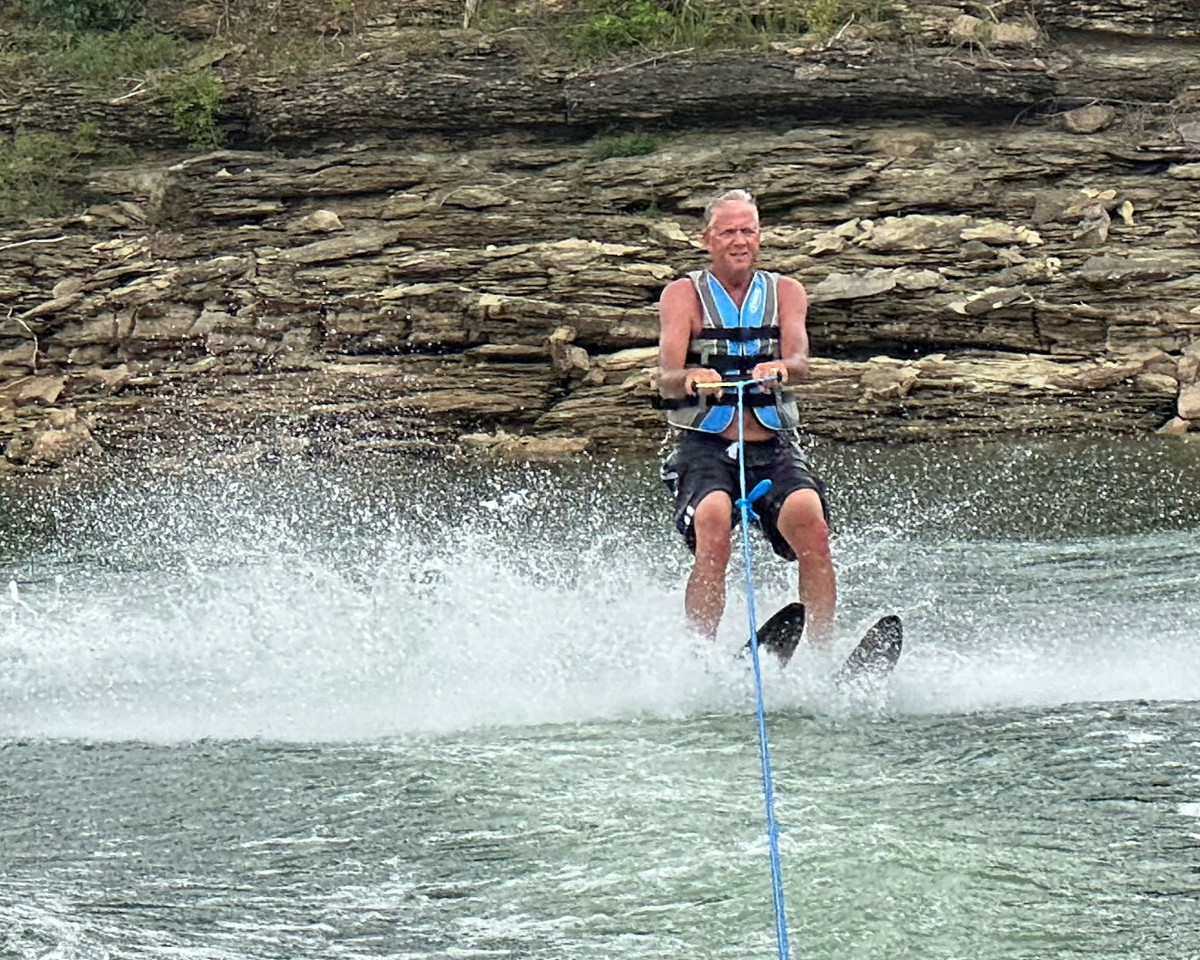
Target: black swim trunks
703, 462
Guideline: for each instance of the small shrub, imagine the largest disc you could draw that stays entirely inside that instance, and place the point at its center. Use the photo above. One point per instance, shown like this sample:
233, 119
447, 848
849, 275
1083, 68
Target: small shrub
103, 59
82, 15
823, 16
45, 174
626, 145
36, 174
195, 97
629, 23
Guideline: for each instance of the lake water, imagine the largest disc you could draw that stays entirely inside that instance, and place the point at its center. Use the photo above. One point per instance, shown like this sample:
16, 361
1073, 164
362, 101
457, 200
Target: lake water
436, 711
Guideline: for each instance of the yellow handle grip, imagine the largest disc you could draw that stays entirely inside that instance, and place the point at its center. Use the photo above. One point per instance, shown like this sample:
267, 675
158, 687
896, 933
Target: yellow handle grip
728, 384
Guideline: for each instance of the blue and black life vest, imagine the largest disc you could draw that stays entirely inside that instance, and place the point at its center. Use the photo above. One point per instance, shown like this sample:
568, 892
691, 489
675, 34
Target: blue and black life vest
733, 342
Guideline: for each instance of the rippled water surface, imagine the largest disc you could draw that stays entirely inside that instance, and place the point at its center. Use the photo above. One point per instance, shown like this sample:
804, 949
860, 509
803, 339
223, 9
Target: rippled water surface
426, 710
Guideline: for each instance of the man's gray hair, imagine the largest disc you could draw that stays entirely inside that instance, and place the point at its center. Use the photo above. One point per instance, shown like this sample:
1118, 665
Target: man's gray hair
729, 196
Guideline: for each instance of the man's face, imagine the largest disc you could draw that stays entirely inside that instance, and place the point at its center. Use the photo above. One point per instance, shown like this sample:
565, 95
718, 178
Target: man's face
732, 239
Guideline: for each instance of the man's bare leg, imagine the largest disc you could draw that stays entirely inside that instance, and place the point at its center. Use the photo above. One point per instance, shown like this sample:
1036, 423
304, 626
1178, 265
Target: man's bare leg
704, 601
802, 524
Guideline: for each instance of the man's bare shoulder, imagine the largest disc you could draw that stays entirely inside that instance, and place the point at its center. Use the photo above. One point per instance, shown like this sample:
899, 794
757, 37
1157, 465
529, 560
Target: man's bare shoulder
680, 287
791, 286
679, 295
791, 293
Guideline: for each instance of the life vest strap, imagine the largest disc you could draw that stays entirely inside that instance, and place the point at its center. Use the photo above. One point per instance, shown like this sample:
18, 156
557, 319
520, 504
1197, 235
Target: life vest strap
739, 334
732, 366
727, 399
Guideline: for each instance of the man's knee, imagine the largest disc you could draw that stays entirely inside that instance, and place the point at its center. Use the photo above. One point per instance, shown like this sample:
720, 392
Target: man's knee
802, 522
713, 525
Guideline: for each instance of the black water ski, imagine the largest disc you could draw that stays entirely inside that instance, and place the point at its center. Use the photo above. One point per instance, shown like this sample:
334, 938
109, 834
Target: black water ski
781, 634
876, 653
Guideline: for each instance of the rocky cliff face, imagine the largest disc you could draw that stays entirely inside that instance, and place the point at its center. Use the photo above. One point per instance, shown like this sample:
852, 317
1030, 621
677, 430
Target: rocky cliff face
994, 209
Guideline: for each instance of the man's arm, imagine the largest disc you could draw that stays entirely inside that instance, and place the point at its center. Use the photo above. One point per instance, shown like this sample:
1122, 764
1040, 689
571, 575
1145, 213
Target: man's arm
678, 313
793, 334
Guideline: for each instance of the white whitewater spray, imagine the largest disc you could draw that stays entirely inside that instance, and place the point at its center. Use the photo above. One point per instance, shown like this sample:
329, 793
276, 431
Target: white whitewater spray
327, 605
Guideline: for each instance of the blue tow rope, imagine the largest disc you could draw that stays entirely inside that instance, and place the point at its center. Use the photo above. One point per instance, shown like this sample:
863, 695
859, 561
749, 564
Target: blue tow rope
745, 504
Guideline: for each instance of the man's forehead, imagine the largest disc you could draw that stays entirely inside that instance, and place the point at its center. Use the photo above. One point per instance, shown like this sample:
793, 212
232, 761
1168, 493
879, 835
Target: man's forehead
734, 210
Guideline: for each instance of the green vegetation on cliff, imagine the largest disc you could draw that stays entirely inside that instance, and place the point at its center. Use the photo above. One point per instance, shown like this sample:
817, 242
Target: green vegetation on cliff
623, 145
44, 173
89, 49
596, 28
195, 96
36, 170
178, 63
81, 15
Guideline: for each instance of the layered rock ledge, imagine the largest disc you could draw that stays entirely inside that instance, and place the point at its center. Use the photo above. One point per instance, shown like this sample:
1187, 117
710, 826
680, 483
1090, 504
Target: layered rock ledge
996, 220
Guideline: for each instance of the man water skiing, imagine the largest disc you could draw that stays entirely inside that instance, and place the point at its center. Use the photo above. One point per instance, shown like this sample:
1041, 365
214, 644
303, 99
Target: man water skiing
734, 322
